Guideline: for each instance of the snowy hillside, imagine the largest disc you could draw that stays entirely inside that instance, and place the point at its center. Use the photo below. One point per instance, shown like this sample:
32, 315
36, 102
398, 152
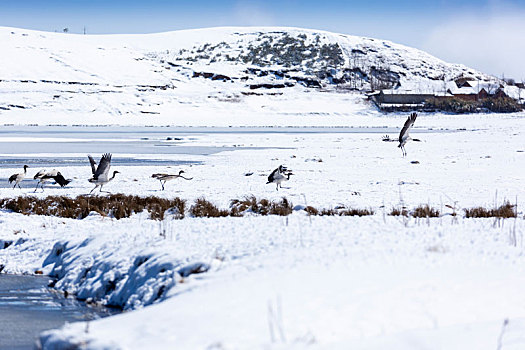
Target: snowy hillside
216, 76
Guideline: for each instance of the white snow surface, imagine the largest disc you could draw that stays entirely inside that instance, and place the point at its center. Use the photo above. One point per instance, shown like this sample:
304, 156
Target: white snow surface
299, 282
293, 282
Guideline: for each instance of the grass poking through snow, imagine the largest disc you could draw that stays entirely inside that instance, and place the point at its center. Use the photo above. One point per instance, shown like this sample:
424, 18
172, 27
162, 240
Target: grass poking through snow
120, 206
425, 211
116, 205
506, 210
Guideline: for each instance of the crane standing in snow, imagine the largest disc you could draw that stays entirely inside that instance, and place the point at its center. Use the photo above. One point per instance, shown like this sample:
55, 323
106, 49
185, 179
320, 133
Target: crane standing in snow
17, 178
101, 173
163, 178
403, 135
279, 175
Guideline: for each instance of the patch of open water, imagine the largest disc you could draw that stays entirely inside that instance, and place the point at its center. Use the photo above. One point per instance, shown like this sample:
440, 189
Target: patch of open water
28, 307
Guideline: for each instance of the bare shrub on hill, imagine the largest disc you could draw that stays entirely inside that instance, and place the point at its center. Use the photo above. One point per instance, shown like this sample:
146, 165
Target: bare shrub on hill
457, 105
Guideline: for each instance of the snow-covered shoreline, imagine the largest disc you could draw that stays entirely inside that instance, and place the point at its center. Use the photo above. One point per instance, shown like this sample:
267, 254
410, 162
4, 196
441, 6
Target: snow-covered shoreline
339, 280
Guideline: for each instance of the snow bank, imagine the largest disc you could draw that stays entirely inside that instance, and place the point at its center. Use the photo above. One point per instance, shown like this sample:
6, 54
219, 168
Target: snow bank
294, 282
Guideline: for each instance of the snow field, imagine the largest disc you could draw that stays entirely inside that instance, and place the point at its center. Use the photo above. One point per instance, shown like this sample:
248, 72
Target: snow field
336, 281
476, 161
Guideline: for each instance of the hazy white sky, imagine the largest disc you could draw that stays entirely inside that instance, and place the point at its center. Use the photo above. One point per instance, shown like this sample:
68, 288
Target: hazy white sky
485, 34
493, 43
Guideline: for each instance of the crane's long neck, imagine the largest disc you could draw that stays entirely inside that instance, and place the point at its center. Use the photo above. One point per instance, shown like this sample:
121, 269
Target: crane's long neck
114, 173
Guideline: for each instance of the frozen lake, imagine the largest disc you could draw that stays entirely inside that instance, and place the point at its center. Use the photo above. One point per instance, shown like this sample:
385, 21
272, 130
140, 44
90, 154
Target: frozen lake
59, 146
50, 146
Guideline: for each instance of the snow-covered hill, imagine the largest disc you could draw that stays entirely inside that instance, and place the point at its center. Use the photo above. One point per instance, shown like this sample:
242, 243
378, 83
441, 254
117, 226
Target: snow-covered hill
204, 76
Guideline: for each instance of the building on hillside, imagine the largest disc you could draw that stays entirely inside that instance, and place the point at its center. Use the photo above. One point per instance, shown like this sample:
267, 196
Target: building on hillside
464, 82
390, 100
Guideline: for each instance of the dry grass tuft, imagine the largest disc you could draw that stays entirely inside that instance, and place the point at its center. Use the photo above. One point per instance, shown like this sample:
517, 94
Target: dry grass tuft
399, 212
341, 211
263, 206
282, 208
425, 211
116, 205
249, 203
506, 210
328, 212
311, 210
356, 212
205, 209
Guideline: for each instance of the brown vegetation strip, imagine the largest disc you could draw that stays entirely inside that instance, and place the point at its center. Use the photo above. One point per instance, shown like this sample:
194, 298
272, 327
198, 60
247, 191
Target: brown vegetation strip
422, 211
121, 206
116, 205
506, 210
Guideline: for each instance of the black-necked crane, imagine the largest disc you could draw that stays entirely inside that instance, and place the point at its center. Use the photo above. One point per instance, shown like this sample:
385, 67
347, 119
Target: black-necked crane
163, 178
42, 176
403, 135
278, 176
17, 178
101, 173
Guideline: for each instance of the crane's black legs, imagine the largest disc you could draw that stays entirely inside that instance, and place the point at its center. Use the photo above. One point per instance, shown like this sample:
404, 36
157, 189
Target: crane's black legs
41, 186
404, 151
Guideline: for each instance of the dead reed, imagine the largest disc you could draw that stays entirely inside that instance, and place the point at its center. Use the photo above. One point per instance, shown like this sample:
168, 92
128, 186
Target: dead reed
250, 204
506, 210
206, 209
120, 206
399, 212
425, 211
115, 205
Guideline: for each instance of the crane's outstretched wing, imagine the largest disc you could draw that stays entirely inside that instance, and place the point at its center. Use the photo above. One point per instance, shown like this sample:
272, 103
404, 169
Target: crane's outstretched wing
408, 124
272, 175
39, 174
59, 179
93, 164
103, 166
